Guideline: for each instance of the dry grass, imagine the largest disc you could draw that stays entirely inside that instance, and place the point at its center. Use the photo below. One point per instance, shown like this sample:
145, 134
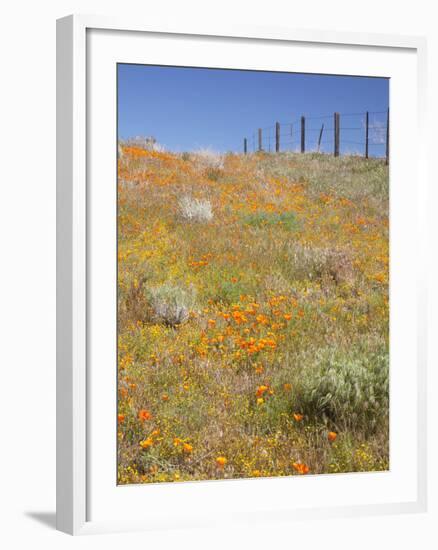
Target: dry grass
248, 340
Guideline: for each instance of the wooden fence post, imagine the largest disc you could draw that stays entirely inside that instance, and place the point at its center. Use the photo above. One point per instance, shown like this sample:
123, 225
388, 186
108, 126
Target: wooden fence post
367, 125
245, 146
303, 134
320, 137
277, 137
337, 120
387, 138
260, 140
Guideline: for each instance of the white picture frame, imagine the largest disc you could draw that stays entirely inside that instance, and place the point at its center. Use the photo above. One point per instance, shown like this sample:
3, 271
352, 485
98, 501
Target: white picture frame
75, 217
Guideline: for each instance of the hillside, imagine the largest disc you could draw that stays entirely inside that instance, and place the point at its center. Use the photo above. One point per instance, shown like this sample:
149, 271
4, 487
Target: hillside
253, 315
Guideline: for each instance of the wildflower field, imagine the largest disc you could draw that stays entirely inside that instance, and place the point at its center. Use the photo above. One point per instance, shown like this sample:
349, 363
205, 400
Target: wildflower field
253, 315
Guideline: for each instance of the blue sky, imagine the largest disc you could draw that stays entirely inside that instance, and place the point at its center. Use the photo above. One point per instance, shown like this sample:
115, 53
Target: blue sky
187, 109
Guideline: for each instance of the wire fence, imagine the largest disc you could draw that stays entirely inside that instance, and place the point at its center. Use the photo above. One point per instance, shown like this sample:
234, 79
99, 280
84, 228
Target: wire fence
365, 134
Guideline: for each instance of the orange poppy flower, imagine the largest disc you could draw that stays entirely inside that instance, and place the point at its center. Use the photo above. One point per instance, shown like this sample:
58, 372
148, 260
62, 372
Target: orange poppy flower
331, 436
143, 415
120, 418
301, 468
221, 461
287, 316
262, 319
261, 390
287, 386
146, 443
298, 417
187, 448
164, 397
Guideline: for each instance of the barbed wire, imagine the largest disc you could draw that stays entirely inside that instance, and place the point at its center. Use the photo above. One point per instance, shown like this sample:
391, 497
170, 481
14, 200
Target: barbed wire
287, 135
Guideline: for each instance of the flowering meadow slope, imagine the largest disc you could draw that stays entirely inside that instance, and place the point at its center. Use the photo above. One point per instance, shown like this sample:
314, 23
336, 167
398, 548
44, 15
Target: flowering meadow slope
252, 315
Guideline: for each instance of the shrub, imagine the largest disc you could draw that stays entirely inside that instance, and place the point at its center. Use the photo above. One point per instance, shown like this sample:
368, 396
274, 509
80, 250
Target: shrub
350, 392
170, 304
214, 174
207, 158
148, 143
321, 264
287, 220
132, 303
229, 293
195, 209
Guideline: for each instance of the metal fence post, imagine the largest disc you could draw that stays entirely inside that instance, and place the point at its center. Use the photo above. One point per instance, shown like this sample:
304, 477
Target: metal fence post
336, 120
367, 126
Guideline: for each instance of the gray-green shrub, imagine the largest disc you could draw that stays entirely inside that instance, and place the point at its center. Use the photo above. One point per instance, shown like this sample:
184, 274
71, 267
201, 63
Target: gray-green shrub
170, 304
351, 392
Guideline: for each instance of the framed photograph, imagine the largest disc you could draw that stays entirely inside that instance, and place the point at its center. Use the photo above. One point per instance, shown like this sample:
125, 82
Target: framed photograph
241, 289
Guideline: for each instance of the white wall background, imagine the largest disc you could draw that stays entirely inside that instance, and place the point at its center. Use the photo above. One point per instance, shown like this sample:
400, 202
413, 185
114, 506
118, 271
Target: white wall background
27, 252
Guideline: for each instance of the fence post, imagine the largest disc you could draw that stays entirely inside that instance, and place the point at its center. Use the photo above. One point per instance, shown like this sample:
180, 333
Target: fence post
277, 137
303, 134
245, 146
320, 136
337, 119
367, 125
387, 138
260, 140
